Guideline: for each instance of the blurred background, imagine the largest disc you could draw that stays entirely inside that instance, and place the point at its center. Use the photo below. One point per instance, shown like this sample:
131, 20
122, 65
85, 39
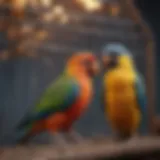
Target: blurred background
36, 39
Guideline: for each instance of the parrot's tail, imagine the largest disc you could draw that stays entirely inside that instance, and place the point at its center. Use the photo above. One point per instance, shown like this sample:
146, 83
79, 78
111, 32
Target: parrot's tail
25, 139
14, 137
32, 130
23, 124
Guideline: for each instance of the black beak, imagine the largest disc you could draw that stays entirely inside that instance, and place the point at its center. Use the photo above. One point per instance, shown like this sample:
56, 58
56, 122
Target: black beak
109, 62
94, 68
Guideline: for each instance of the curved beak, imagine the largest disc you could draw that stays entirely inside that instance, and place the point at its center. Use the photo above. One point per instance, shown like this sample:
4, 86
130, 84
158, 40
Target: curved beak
94, 68
109, 62
106, 60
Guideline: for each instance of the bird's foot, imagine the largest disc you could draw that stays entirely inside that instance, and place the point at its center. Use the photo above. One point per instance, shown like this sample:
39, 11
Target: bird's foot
122, 137
60, 142
75, 136
135, 136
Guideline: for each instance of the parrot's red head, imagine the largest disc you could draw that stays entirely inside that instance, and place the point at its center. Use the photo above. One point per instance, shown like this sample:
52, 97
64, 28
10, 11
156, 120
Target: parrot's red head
83, 62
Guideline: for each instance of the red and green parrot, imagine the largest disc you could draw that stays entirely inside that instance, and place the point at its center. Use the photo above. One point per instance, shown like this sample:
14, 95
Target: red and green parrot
65, 100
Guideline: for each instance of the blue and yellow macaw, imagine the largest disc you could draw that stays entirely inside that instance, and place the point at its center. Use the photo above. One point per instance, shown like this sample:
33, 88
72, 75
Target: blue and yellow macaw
123, 91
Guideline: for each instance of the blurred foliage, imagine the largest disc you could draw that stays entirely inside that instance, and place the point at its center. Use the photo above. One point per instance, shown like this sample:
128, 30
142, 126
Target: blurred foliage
23, 21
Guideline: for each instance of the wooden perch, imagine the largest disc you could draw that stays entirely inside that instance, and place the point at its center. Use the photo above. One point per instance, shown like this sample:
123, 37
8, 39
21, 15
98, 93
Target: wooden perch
91, 149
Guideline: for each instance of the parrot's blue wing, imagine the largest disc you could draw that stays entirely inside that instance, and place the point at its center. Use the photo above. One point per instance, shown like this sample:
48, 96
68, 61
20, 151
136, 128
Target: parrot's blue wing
140, 93
142, 101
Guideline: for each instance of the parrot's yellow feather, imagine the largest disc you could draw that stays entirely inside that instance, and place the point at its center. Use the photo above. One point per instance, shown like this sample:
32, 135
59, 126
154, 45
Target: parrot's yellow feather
122, 109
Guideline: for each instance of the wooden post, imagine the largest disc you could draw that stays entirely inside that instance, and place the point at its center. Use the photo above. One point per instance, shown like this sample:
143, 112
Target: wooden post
134, 13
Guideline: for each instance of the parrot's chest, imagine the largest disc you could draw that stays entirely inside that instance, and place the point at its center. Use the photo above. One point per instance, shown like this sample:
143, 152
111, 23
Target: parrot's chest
120, 90
84, 98
86, 93
121, 103
120, 98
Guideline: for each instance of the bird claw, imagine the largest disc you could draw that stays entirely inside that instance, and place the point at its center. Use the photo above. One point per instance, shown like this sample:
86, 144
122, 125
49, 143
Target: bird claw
60, 142
135, 136
75, 136
121, 137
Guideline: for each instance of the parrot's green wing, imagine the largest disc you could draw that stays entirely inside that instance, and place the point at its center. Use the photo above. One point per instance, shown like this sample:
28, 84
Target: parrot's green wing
60, 96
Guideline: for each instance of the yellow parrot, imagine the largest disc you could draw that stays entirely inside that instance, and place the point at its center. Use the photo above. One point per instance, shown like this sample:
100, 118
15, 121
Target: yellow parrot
123, 91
